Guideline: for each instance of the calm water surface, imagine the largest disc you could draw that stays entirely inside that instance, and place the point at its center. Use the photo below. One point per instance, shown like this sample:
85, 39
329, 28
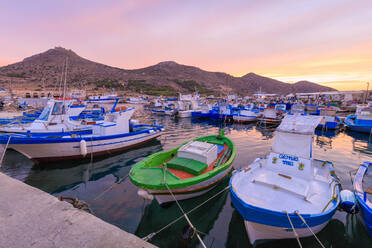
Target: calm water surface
105, 186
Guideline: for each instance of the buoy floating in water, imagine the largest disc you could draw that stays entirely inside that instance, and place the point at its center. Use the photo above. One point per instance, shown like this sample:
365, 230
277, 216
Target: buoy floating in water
145, 195
348, 201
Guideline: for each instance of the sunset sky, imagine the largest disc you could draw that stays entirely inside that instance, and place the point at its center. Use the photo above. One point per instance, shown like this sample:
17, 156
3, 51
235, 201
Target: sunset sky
327, 42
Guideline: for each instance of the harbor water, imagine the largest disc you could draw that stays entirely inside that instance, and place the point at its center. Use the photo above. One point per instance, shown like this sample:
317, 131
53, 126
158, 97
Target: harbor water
104, 184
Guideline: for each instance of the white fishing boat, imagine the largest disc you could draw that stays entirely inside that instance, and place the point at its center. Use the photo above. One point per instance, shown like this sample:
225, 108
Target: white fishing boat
288, 193
246, 116
109, 98
57, 117
113, 135
186, 108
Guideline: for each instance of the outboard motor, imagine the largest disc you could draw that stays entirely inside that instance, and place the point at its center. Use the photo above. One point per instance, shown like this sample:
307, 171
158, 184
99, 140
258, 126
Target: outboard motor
348, 202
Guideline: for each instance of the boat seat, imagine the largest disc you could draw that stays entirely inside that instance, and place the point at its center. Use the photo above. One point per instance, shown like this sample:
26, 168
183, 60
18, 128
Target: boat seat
280, 181
188, 165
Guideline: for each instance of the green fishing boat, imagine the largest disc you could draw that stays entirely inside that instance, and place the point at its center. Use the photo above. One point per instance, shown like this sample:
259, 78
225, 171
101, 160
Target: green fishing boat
186, 171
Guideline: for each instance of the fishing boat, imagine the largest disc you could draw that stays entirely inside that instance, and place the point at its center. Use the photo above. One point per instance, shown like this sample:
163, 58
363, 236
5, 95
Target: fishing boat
361, 121
246, 115
114, 134
186, 171
221, 112
57, 117
330, 120
202, 112
270, 117
297, 109
109, 98
363, 194
280, 195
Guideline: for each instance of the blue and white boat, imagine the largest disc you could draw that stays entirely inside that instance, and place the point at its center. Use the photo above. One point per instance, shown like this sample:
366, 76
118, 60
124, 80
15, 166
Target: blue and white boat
113, 135
363, 194
361, 121
221, 112
330, 120
58, 116
297, 109
287, 188
111, 98
248, 114
202, 112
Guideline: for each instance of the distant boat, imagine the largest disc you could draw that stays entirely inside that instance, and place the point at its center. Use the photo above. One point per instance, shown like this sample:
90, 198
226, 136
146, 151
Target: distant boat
330, 120
57, 117
187, 171
113, 135
361, 121
103, 98
245, 115
288, 188
270, 117
363, 194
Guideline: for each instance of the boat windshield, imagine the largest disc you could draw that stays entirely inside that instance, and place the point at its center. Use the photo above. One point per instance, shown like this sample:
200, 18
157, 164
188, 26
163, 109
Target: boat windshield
58, 109
44, 115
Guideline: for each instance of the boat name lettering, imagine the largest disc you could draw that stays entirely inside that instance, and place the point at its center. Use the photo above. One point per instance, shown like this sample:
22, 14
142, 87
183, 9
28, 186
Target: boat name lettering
288, 157
286, 162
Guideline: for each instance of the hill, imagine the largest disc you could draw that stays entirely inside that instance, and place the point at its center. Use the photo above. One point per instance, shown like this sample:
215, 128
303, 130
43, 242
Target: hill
165, 78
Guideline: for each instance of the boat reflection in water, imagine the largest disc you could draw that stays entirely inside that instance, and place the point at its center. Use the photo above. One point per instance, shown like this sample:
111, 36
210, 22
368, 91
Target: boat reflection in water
178, 234
361, 142
59, 177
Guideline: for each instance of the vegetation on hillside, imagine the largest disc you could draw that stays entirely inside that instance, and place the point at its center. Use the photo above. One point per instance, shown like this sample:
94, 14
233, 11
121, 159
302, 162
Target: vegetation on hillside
190, 86
141, 86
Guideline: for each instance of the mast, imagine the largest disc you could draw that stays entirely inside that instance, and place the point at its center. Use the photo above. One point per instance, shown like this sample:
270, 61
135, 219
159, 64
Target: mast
64, 86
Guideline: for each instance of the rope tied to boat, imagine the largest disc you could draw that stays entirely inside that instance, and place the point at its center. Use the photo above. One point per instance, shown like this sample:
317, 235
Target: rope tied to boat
294, 230
151, 235
334, 196
183, 212
76, 203
303, 220
6, 147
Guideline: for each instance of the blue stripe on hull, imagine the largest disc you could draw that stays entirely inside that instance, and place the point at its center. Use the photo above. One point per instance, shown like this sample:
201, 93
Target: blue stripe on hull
24, 139
278, 219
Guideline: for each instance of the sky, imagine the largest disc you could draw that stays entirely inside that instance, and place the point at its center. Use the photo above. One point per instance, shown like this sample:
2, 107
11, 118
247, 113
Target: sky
327, 42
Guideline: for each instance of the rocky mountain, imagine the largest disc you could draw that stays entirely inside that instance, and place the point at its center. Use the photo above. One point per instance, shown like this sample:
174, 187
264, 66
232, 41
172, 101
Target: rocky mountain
167, 78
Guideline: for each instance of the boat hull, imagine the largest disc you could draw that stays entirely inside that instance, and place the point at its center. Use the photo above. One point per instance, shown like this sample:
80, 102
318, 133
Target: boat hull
364, 202
200, 115
258, 231
184, 114
43, 152
163, 196
350, 124
244, 119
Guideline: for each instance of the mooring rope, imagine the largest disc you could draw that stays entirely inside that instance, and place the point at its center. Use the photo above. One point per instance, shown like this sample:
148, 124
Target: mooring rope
303, 220
6, 147
111, 187
183, 212
294, 230
151, 235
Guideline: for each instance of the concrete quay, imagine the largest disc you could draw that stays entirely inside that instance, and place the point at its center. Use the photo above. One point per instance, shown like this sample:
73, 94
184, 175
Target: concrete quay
30, 217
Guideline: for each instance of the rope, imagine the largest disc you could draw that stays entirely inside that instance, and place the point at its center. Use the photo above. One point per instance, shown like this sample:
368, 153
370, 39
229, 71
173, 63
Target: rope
6, 147
294, 230
334, 198
303, 220
148, 237
183, 212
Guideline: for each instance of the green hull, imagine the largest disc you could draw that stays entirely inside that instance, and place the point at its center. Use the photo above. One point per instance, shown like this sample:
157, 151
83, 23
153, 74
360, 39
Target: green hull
148, 174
